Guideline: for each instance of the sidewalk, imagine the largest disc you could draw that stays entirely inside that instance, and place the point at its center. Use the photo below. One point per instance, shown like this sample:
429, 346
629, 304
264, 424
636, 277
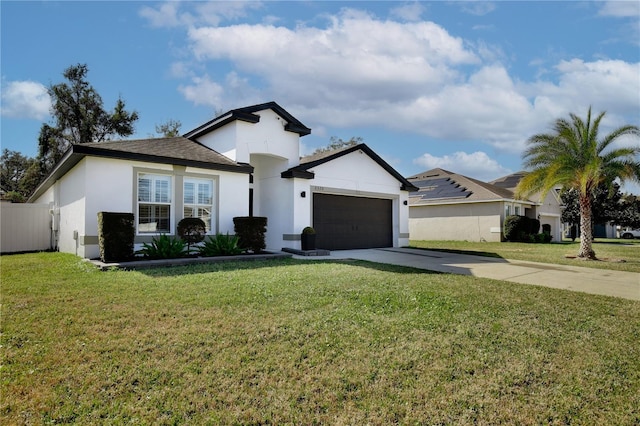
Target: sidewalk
588, 280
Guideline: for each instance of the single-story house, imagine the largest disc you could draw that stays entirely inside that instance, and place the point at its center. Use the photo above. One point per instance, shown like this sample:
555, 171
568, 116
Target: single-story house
243, 162
450, 206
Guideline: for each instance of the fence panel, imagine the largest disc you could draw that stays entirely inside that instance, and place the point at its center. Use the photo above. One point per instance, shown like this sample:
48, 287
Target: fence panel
24, 227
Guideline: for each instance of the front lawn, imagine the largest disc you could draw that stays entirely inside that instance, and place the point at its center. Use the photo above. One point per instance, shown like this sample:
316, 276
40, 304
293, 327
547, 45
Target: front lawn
307, 342
617, 255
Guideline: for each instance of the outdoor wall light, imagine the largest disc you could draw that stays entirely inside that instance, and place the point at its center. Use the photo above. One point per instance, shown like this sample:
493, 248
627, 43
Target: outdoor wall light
303, 194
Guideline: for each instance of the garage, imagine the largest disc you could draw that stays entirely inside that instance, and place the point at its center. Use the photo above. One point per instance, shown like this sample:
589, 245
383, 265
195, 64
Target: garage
345, 222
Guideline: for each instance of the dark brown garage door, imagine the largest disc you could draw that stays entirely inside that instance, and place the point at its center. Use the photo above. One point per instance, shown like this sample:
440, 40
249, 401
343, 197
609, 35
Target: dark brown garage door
343, 222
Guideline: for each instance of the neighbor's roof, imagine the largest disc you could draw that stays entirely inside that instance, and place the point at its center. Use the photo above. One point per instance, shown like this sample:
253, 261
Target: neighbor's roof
439, 186
309, 162
177, 150
510, 181
249, 115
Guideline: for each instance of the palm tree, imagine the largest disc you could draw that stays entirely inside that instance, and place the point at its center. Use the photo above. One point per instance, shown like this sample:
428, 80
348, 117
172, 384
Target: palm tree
573, 156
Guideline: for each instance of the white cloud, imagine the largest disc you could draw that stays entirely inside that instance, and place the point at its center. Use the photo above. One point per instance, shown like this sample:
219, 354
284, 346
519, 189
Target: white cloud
355, 60
477, 165
478, 8
360, 71
409, 12
621, 9
165, 16
203, 91
168, 14
25, 99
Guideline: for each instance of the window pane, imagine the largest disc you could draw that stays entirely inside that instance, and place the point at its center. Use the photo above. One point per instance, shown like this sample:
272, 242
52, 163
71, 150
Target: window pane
204, 193
144, 188
153, 218
189, 193
190, 212
162, 191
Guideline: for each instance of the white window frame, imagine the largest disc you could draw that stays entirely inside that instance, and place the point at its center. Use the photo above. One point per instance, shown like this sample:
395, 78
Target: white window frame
507, 210
199, 201
156, 198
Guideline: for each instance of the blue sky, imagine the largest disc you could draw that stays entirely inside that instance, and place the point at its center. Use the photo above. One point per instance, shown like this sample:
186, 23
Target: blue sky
451, 84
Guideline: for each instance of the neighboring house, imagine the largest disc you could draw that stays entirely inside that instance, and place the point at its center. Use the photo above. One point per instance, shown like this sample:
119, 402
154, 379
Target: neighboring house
244, 162
449, 206
547, 210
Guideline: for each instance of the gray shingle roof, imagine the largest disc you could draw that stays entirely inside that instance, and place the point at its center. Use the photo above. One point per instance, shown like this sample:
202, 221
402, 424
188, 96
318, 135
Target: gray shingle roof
176, 150
439, 185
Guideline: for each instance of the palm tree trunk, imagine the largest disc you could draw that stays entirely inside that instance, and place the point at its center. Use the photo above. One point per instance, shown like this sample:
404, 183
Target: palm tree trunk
586, 230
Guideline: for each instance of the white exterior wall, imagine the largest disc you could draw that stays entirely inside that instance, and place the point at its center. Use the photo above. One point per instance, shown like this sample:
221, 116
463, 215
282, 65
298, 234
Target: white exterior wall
273, 198
238, 140
223, 140
100, 184
550, 213
232, 199
69, 202
457, 222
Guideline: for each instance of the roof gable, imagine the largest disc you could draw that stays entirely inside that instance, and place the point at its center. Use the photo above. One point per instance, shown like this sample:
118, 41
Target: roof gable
248, 114
306, 163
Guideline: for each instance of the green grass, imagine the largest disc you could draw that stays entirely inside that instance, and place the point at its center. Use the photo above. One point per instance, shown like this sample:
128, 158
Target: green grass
303, 342
613, 254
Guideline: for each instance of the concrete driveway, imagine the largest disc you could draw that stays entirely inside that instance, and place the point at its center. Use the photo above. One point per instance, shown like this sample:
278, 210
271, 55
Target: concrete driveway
588, 280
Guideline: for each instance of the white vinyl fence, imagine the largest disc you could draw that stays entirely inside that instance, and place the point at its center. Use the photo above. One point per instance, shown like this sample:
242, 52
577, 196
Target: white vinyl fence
24, 227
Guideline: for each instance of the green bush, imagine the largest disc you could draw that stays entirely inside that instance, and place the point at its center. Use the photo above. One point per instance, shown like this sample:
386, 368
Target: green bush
164, 247
116, 234
515, 228
250, 231
192, 230
221, 245
523, 229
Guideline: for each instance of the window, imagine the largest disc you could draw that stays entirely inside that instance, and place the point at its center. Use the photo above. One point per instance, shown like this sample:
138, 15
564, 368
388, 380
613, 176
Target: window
507, 210
154, 203
517, 210
198, 200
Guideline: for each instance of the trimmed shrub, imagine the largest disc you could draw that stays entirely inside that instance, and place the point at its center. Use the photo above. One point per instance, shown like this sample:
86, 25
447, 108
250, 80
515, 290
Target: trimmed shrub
164, 247
250, 231
192, 230
522, 229
220, 245
515, 228
116, 233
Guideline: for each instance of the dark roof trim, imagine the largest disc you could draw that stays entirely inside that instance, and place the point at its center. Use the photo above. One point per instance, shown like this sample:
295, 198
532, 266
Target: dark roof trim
77, 152
248, 115
151, 158
304, 167
301, 174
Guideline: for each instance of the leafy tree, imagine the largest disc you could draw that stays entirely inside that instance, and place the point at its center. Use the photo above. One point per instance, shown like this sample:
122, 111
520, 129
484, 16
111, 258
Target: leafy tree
16, 175
605, 208
169, 129
337, 143
79, 117
629, 211
574, 157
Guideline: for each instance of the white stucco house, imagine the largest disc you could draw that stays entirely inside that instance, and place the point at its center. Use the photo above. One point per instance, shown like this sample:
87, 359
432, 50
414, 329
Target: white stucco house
244, 162
450, 206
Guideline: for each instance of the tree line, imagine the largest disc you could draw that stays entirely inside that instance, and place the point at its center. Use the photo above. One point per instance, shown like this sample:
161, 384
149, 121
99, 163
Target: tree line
78, 116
